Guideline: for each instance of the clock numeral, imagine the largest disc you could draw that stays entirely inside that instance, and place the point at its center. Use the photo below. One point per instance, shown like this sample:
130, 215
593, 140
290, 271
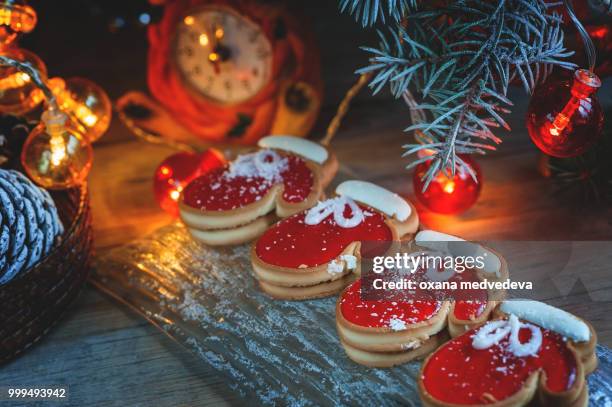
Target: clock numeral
187, 51
228, 85
255, 71
197, 70
246, 84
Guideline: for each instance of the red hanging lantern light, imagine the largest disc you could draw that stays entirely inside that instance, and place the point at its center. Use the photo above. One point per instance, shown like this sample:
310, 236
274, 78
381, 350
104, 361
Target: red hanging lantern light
178, 170
564, 117
448, 194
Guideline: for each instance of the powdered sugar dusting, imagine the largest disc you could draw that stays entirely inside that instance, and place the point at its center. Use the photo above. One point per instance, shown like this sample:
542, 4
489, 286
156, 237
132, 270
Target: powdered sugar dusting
346, 261
335, 267
397, 324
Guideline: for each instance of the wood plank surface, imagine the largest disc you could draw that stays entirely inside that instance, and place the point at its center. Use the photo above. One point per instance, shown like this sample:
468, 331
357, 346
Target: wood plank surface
107, 355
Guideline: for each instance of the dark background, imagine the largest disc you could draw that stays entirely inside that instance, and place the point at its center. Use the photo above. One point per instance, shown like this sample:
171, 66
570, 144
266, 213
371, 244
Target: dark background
104, 40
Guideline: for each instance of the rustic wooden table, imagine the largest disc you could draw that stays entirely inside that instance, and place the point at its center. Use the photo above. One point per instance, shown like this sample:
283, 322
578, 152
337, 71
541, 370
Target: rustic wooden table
108, 355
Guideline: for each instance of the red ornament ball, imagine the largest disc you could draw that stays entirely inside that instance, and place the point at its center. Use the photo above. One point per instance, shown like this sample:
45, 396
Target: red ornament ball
564, 117
448, 195
178, 170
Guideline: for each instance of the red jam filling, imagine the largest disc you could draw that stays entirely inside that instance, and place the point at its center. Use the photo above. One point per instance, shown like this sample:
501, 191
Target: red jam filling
457, 373
473, 302
469, 304
292, 243
379, 314
469, 309
215, 192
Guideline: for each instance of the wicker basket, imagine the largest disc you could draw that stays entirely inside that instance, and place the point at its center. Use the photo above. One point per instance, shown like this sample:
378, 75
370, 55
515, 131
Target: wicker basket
36, 299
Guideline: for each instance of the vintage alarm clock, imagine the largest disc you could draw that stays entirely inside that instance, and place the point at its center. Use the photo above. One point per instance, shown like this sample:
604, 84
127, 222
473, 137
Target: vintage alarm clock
233, 70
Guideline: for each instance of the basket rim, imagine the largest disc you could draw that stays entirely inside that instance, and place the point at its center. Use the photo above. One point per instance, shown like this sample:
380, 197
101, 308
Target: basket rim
80, 213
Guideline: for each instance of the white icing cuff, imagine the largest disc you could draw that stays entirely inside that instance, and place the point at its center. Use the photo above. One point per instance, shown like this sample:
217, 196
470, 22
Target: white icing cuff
529, 348
548, 317
434, 240
335, 206
266, 164
491, 334
305, 148
377, 197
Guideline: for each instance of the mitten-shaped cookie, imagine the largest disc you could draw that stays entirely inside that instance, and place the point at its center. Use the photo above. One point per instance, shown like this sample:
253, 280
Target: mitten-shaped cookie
237, 203
471, 308
534, 354
313, 253
412, 323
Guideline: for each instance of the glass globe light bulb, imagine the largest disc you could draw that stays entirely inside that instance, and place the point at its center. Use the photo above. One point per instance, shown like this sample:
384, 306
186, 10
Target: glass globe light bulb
448, 194
55, 155
18, 93
86, 103
565, 118
16, 17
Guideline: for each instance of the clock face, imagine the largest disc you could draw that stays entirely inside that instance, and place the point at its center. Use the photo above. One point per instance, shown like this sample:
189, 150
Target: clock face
222, 55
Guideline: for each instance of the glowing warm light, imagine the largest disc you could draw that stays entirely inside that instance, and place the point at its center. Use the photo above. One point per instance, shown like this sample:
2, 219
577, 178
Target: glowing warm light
85, 102
58, 149
219, 33
582, 88
203, 40
18, 92
175, 194
189, 20
177, 171
55, 155
447, 194
599, 33
565, 117
5, 16
449, 187
559, 124
14, 81
90, 120
19, 18
213, 57
165, 171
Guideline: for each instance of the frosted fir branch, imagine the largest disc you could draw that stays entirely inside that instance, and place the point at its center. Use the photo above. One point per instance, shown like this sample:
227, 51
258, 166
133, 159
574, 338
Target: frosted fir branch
459, 61
370, 12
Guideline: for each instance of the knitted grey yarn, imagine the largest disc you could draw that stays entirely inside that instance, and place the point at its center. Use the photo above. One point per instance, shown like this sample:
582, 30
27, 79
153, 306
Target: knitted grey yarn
29, 224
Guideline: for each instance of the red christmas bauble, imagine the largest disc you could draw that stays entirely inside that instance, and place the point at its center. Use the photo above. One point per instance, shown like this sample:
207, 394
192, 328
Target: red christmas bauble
564, 117
448, 195
178, 170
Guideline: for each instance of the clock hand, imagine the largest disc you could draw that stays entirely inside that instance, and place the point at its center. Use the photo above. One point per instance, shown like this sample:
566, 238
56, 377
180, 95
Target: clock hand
220, 53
